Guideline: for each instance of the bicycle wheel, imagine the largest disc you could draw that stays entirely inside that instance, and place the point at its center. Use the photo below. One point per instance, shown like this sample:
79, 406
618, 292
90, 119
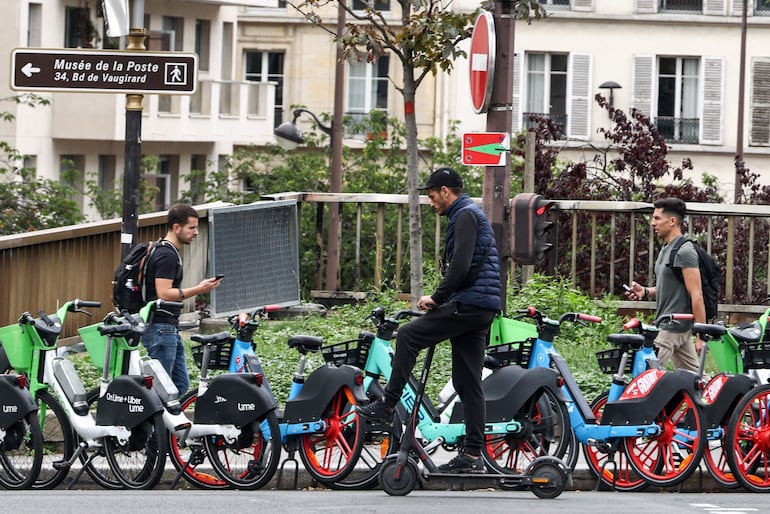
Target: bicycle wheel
747, 441
330, 456
620, 475
139, 462
670, 457
21, 453
199, 473
546, 430
715, 457
58, 440
94, 458
251, 460
380, 440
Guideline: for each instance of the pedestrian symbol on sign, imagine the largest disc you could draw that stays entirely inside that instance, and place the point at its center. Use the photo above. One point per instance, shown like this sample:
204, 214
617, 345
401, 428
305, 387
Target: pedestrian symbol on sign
176, 73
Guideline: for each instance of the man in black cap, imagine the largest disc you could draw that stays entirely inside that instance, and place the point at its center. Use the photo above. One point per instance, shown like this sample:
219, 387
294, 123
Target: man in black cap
461, 310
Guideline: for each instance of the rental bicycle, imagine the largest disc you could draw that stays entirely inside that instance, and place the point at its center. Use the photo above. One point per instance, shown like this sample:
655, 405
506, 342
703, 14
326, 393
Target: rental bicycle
21, 440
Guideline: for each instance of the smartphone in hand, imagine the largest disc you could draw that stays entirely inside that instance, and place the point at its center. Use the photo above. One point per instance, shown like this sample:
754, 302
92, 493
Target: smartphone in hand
220, 276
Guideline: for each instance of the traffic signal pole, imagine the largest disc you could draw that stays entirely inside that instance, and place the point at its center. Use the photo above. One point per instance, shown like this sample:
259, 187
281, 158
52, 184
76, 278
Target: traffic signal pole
497, 179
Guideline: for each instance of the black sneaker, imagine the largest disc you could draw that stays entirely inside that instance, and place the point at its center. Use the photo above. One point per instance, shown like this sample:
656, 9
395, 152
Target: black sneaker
376, 410
464, 463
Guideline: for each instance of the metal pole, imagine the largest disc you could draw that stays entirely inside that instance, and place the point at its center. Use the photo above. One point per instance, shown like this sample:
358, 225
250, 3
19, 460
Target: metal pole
335, 183
133, 145
497, 179
741, 100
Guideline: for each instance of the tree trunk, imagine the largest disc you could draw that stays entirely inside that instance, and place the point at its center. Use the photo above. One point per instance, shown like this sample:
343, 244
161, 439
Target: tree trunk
413, 180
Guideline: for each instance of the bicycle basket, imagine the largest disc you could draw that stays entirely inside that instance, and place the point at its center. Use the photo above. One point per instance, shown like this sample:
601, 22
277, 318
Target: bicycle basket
353, 352
756, 355
609, 360
219, 357
17, 342
512, 354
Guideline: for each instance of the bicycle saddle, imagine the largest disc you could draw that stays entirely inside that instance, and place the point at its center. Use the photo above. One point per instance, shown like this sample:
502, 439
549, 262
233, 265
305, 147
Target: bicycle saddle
634, 341
215, 339
305, 344
747, 333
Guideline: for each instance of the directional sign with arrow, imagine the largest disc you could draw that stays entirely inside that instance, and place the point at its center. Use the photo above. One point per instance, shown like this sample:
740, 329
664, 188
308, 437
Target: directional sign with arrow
485, 148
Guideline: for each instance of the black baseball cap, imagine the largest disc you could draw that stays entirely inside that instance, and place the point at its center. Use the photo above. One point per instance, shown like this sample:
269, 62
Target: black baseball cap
443, 177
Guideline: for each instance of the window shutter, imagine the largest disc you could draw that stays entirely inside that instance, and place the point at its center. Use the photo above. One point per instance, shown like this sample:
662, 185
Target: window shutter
737, 8
641, 98
713, 85
715, 7
760, 103
645, 6
518, 70
579, 95
583, 5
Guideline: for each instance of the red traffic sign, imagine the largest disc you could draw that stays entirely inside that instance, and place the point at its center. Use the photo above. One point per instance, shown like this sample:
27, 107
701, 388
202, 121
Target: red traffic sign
485, 148
482, 61
100, 71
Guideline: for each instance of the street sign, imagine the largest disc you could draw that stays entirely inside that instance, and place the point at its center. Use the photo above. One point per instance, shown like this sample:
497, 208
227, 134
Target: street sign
482, 61
101, 71
485, 148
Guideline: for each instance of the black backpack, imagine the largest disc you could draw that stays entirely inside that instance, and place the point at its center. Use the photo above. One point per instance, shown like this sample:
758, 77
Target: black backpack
710, 275
128, 291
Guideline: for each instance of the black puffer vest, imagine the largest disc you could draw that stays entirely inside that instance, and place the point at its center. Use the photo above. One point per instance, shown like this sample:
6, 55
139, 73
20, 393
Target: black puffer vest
485, 290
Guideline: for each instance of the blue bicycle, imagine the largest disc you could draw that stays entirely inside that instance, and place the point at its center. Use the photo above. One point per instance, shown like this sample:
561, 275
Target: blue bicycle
656, 419
319, 419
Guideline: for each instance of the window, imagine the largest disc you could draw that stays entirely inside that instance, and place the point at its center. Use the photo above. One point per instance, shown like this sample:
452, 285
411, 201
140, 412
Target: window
198, 178
71, 175
106, 177
161, 173
555, 2
367, 87
202, 43
688, 6
79, 30
677, 110
546, 87
267, 67
34, 24
761, 7
377, 5
174, 27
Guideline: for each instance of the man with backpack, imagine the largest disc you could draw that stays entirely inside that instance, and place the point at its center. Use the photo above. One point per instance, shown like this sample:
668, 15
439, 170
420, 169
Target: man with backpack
163, 279
674, 295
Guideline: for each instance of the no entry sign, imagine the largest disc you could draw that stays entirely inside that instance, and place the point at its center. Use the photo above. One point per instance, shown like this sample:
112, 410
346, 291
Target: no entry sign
482, 61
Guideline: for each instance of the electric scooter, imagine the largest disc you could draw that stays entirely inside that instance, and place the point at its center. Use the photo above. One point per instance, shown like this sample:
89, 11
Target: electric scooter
546, 476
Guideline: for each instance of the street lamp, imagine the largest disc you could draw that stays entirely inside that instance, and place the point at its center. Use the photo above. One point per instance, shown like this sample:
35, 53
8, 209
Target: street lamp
289, 136
611, 85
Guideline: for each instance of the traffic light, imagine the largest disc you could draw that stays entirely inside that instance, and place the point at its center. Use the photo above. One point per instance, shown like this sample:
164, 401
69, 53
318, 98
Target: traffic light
530, 228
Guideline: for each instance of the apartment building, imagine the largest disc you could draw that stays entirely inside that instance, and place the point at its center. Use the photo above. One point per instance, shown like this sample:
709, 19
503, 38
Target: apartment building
183, 132
678, 61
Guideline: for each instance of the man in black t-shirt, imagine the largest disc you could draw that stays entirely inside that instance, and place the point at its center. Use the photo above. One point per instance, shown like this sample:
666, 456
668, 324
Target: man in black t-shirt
163, 280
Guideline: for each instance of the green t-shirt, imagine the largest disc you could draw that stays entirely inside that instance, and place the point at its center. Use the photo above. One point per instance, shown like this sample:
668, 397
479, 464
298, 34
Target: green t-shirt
671, 295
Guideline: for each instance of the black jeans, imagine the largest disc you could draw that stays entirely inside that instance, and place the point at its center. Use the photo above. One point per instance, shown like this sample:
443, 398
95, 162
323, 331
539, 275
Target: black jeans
467, 329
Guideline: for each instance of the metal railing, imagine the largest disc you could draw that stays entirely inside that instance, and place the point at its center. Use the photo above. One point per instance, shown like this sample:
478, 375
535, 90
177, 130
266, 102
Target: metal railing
600, 245
678, 130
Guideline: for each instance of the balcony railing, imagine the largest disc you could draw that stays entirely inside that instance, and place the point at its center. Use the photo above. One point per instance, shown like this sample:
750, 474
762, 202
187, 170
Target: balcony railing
529, 120
682, 6
678, 130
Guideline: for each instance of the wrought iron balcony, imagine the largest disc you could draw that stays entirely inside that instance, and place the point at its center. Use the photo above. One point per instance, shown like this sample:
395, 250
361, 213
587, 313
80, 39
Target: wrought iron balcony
678, 130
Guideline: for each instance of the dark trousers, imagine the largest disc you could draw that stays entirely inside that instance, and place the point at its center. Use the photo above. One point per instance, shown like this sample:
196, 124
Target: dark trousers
467, 329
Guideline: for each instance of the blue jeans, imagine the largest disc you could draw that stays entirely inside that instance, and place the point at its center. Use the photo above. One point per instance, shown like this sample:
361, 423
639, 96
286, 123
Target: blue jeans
163, 342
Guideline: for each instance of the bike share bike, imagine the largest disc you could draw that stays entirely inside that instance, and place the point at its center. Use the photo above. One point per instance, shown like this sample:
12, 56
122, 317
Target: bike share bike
747, 440
656, 419
512, 395
319, 419
21, 440
127, 423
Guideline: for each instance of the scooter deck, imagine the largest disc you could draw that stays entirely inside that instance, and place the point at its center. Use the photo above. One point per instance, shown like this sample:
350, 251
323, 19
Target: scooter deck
481, 477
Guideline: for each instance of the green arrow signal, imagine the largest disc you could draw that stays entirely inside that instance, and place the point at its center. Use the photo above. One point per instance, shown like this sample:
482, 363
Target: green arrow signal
489, 149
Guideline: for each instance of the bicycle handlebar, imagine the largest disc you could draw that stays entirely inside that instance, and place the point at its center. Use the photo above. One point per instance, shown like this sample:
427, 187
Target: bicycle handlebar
402, 314
532, 312
86, 304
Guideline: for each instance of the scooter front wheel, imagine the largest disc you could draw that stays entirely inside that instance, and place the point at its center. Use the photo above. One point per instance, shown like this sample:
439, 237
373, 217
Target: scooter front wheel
398, 480
548, 480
